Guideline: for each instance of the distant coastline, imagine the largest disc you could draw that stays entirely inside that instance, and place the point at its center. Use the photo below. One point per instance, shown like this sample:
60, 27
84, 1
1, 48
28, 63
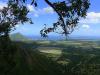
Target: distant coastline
84, 38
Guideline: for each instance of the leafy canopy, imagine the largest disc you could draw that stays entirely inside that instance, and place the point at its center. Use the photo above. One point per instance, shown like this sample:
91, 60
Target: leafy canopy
69, 12
12, 15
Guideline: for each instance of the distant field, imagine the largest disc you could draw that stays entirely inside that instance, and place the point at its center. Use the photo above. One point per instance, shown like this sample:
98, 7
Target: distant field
57, 48
57, 58
80, 55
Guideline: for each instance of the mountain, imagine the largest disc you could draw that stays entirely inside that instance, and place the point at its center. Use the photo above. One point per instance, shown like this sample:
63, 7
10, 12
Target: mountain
18, 37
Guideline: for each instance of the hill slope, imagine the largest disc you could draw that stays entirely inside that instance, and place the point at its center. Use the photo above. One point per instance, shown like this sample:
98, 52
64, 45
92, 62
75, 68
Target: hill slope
26, 61
18, 37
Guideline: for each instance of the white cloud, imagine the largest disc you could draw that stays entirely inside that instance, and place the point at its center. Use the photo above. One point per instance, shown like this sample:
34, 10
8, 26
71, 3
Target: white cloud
93, 15
85, 26
17, 26
30, 8
48, 10
37, 12
91, 18
2, 4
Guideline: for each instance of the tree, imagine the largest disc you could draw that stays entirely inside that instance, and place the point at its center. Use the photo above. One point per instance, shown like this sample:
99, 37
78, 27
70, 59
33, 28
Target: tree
69, 12
12, 15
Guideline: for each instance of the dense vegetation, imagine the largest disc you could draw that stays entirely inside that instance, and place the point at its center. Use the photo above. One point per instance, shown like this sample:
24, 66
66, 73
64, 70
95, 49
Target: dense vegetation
53, 58
27, 62
47, 57
76, 57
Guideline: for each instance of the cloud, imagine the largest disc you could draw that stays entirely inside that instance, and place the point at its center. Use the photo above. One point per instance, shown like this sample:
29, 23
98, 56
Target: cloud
37, 12
16, 26
2, 4
91, 18
30, 8
85, 26
48, 10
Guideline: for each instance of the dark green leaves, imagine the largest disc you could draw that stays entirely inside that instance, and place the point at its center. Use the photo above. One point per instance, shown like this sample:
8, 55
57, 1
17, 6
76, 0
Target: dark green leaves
69, 12
11, 16
32, 2
35, 4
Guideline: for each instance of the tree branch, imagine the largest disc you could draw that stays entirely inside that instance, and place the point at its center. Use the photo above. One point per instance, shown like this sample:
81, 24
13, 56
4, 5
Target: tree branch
60, 16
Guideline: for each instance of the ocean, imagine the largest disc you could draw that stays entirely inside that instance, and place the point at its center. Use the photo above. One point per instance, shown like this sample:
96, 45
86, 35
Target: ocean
88, 38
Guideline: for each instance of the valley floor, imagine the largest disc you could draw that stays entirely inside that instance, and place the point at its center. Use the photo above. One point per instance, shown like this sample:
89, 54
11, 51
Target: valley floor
56, 58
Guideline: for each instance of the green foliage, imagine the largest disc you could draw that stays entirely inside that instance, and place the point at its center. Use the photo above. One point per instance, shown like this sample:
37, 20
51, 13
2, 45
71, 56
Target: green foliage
29, 62
69, 12
77, 57
7, 51
12, 15
20, 59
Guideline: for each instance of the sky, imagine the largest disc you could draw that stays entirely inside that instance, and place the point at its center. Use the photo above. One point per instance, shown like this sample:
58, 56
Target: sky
44, 14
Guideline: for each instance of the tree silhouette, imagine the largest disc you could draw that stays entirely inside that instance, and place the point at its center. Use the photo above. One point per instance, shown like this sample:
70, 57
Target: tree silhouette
69, 12
11, 16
